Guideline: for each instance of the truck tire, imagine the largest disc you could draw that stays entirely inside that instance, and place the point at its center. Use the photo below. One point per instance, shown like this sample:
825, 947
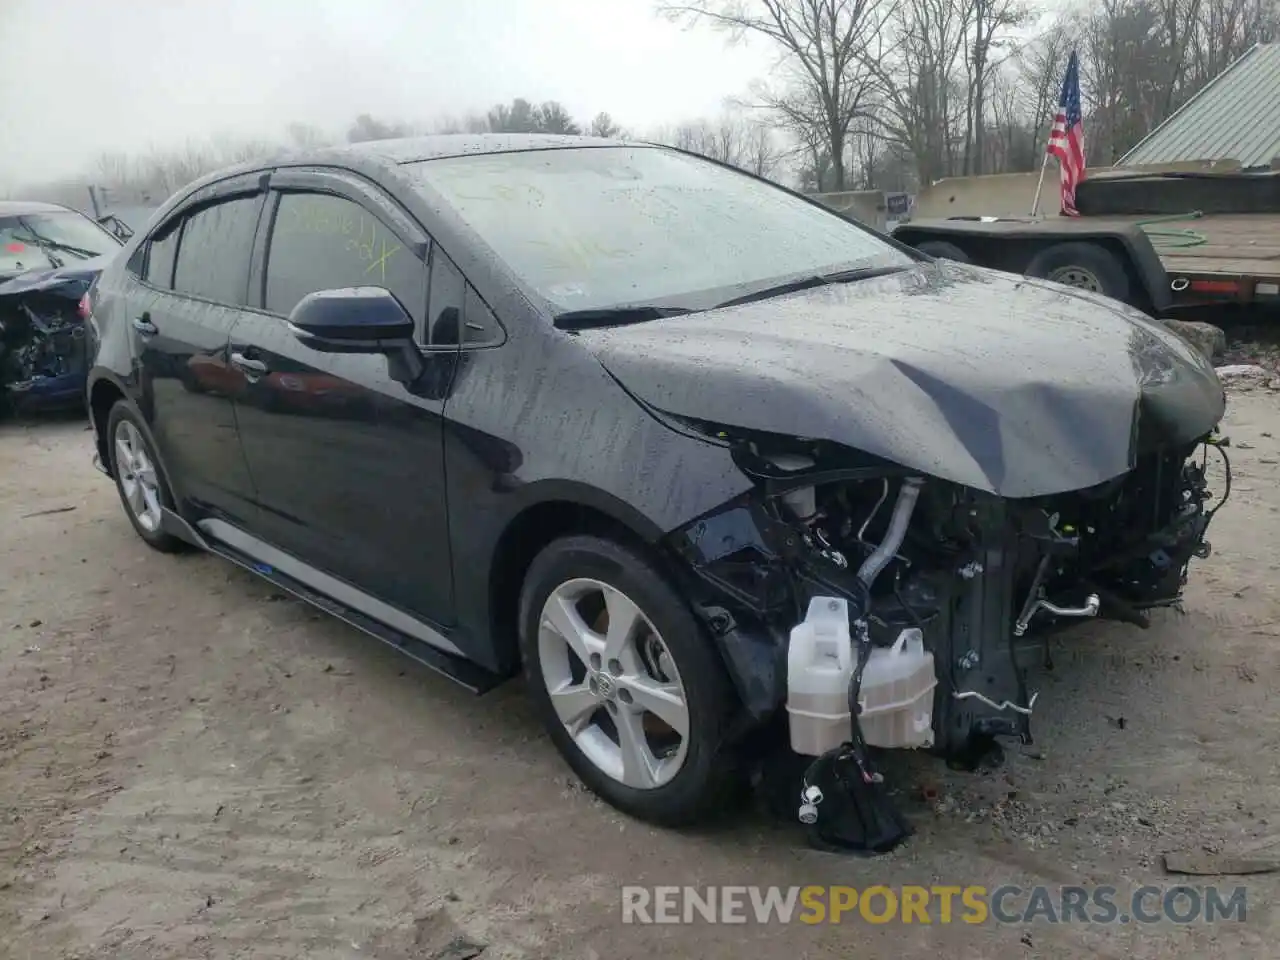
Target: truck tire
942, 250
1084, 265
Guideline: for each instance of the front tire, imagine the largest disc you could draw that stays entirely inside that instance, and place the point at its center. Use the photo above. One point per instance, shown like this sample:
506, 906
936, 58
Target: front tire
625, 682
139, 479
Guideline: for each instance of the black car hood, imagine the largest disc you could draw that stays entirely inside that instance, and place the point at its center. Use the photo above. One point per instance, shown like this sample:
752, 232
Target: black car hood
79, 271
1014, 386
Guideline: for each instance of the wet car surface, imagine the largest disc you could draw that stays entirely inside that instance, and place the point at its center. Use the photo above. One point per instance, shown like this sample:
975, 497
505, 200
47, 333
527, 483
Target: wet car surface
617, 416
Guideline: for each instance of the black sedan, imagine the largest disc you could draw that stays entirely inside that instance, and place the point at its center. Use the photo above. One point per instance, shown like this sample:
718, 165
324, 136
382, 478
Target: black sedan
614, 414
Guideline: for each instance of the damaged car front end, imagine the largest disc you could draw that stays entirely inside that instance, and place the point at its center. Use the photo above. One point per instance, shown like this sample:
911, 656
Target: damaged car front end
974, 497
49, 259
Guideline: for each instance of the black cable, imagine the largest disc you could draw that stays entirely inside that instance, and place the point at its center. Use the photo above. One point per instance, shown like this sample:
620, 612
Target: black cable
1226, 467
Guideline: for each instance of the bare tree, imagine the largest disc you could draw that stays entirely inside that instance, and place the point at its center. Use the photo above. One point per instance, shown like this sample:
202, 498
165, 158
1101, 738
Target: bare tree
730, 138
552, 117
986, 24
762, 153
368, 128
923, 95
305, 136
114, 169
471, 123
829, 44
1041, 65
520, 117
603, 126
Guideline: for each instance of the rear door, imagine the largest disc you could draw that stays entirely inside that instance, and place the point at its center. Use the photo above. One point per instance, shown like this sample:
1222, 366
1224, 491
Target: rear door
347, 463
189, 292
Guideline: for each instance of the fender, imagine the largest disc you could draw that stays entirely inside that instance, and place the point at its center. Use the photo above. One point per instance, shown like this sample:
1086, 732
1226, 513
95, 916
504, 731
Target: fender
100, 375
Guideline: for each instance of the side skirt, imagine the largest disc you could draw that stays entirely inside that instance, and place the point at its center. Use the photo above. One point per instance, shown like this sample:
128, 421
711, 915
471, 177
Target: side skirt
410, 636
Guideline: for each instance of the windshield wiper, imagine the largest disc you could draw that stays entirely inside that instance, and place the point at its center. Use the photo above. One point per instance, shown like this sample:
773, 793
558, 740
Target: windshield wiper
44, 242
804, 283
615, 316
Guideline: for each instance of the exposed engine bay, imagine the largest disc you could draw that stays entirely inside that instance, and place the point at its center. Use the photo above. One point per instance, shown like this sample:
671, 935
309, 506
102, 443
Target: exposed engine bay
982, 578
43, 350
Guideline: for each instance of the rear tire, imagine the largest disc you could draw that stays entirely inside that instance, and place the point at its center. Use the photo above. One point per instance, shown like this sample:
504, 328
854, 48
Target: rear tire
1083, 265
942, 250
140, 480
666, 658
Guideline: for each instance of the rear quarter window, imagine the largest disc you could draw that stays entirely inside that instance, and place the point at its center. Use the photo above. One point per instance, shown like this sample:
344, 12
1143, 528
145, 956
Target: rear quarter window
162, 252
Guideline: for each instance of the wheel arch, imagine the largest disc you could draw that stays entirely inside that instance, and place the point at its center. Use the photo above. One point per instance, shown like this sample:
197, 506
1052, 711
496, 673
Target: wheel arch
103, 394
560, 510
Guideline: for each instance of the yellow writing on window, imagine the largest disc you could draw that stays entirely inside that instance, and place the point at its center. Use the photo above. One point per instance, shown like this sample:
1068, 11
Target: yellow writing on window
360, 235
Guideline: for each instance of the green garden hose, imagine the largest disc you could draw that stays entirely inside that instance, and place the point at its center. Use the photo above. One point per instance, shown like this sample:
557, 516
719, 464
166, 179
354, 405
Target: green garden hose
1174, 239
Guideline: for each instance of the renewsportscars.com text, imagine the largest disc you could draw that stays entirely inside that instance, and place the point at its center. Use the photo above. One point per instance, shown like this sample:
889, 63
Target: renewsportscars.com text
971, 904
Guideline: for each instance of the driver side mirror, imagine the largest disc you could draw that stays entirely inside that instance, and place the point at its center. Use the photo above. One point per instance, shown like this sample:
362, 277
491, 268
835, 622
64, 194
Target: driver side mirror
359, 320
352, 320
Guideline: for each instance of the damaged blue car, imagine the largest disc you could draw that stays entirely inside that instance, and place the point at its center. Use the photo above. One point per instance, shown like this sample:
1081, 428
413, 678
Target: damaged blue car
49, 257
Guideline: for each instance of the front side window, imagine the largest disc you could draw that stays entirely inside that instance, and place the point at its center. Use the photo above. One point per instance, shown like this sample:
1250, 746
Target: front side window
323, 242
597, 228
214, 251
38, 241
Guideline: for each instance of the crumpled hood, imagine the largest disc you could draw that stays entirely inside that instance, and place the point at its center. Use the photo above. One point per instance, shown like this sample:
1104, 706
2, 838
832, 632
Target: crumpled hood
80, 271
1004, 384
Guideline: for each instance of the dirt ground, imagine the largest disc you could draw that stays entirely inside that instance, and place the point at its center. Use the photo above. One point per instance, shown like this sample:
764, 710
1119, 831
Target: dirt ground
192, 765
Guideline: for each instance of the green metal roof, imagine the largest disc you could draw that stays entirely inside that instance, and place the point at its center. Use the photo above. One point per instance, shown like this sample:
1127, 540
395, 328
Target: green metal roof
1236, 116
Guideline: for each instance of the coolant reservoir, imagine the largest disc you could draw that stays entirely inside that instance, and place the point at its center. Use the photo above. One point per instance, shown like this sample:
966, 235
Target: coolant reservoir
896, 695
820, 662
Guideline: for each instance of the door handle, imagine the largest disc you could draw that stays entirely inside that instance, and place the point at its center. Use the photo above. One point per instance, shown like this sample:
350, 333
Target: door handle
144, 326
249, 367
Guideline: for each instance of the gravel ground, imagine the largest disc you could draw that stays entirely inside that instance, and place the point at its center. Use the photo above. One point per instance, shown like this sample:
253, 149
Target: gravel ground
192, 765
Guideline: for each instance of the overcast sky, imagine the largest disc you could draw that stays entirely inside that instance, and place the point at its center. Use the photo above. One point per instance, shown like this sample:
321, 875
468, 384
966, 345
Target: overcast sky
89, 76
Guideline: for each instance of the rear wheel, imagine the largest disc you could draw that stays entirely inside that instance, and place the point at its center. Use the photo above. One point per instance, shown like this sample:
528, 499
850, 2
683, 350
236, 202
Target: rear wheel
141, 484
943, 250
625, 682
1084, 265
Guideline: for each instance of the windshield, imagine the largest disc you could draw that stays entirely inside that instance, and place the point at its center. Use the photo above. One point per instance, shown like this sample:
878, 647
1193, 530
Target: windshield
38, 241
598, 228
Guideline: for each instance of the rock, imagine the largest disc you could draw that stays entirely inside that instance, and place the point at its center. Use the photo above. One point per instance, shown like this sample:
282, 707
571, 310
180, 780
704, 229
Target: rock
1205, 337
1243, 373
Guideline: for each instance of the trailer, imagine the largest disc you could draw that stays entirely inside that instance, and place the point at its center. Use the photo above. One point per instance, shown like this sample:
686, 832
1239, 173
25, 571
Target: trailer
1162, 242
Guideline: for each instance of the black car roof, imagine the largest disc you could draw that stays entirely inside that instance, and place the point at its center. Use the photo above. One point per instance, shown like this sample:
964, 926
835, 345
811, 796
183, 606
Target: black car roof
17, 208
440, 146
381, 159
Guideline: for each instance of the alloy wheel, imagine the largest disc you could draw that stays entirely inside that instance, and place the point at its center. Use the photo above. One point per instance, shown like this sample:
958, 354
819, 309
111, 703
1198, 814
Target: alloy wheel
138, 478
613, 683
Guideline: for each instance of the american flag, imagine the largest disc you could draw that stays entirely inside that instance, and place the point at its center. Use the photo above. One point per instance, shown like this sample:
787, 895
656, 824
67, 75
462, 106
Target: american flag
1066, 138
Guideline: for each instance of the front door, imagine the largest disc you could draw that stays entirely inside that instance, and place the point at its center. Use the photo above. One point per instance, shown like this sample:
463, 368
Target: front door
347, 463
181, 310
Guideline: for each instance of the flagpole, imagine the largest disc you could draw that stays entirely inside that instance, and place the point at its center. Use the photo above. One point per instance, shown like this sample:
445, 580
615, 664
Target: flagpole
1035, 204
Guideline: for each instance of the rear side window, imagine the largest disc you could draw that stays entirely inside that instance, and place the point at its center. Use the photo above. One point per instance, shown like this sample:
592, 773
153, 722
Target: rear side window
323, 242
214, 251
161, 253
